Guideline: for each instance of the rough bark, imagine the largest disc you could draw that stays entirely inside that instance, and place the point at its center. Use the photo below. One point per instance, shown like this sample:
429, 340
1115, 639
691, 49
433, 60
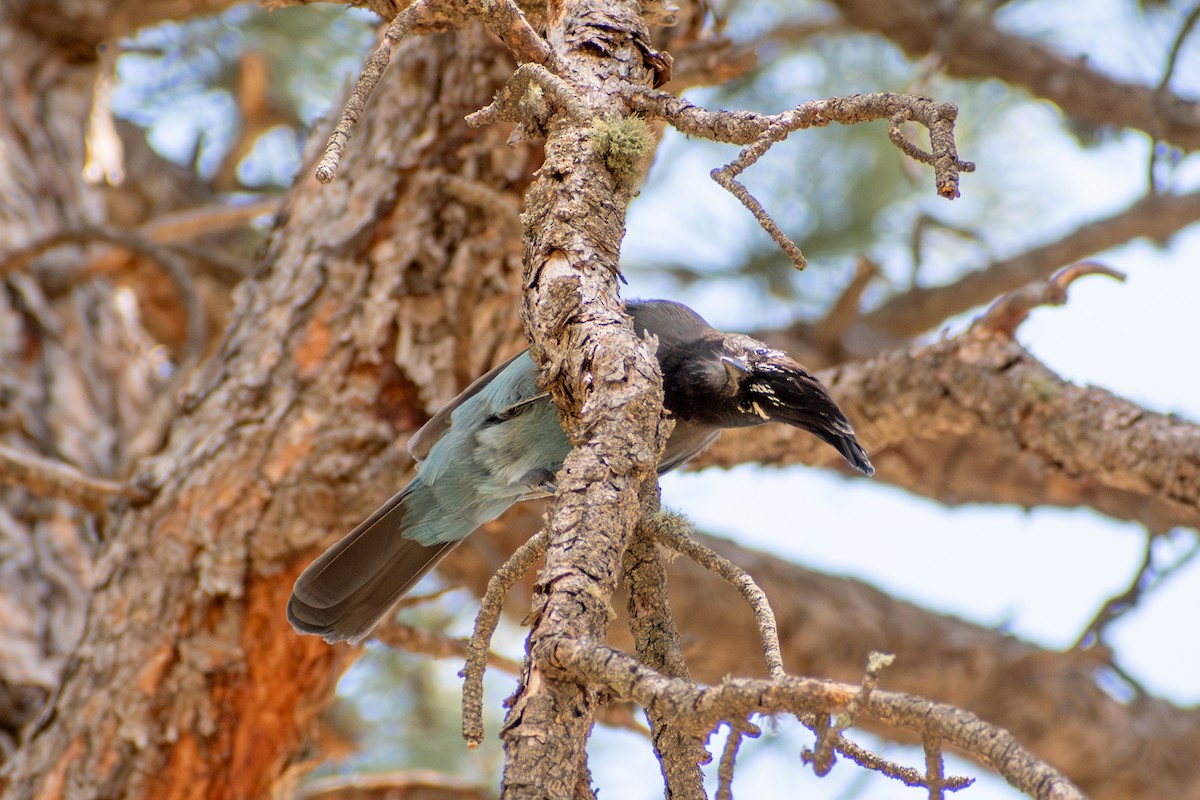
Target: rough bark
604, 379
978, 419
188, 680
71, 387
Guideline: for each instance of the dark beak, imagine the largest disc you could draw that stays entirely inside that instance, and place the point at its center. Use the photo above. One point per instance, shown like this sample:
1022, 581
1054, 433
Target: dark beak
783, 392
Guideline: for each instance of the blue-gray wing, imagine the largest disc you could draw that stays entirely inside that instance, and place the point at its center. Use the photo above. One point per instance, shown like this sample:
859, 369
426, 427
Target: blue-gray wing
421, 442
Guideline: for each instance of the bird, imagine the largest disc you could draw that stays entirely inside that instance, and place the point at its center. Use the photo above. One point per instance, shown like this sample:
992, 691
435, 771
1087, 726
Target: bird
499, 442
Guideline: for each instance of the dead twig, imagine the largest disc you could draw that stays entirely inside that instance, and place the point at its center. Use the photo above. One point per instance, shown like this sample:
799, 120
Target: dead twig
505, 19
1145, 580
672, 531
1006, 314
1162, 96
906, 775
479, 645
737, 731
935, 769
420, 12
528, 97
703, 708
845, 310
502, 17
830, 730
759, 132
1155, 217
656, 641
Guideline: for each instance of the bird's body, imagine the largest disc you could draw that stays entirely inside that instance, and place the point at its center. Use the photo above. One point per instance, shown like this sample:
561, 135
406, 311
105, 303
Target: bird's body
500, 442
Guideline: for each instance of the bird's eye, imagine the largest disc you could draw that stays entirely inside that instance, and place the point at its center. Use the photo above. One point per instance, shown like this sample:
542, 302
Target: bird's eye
762, 351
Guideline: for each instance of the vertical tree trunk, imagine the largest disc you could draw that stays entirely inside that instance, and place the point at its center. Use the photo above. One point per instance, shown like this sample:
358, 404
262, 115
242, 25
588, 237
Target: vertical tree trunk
63, 394
380, 295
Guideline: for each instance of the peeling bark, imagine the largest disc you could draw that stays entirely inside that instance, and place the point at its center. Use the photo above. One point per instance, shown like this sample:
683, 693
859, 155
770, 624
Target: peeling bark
188, 680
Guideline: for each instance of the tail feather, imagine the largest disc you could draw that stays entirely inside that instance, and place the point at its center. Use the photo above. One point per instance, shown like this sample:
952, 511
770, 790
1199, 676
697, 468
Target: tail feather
347, 590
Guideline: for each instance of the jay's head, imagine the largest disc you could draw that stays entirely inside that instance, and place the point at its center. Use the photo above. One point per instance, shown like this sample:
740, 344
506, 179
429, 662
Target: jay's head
733, 381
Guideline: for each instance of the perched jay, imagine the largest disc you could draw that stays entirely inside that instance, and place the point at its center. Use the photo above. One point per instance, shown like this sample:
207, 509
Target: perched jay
500, 441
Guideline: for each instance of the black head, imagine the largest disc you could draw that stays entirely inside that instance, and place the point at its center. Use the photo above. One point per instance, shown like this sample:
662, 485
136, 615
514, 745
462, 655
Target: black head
728, 380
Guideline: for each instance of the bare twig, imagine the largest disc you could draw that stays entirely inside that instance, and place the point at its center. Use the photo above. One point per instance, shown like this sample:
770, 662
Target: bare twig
420, 12
656, 641
1007, 313
726, 176
821, 756
1162, 94
502, 17
1155, 217
760, 132
923, 224
673, 532
935, 771
197, 221
479, 645
845, 310
1147, 577
829, 731
414, 600
906, 775
382, 785
737, 731
876, 664
524, 99
505, 19
47, 478
978, 47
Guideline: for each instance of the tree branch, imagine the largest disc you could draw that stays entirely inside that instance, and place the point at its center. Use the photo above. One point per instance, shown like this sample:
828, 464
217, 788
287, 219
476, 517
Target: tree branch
828, 625
703, 708
170, 261
970, 45
1155, 217
47, 478
656, 642
604, 380
1017, 432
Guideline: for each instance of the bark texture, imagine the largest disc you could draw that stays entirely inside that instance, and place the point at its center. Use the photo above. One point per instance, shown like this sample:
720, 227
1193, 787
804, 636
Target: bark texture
605, 380
386, 282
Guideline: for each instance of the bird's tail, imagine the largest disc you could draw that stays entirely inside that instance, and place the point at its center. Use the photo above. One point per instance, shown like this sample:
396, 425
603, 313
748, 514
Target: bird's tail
352, 585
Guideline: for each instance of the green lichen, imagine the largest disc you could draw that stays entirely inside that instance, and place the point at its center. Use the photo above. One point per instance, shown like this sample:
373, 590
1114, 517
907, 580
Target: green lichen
624, 144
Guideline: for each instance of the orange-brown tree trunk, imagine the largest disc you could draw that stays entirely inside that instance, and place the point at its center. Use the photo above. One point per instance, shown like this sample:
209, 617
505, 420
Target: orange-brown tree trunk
379, 296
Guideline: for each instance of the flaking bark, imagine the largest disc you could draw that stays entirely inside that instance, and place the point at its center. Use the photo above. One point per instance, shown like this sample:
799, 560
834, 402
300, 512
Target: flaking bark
188, 681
